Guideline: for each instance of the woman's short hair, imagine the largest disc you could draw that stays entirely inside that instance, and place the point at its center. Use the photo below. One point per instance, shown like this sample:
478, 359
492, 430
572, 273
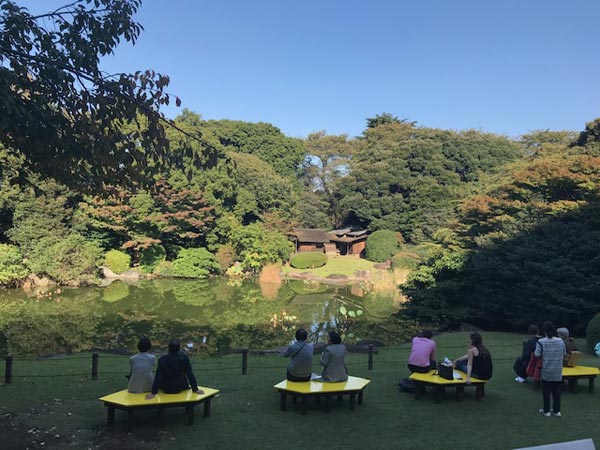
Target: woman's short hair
144, 344
533, 330
427, 334
301, 334
549, 329
174, 346
335, 338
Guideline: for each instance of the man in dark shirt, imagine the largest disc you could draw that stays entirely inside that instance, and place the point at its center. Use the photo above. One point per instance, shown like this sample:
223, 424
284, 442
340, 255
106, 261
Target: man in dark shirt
520, 366
173, 373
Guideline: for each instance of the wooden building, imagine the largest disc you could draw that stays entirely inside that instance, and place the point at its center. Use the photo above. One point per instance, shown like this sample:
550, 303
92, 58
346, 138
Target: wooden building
345, 241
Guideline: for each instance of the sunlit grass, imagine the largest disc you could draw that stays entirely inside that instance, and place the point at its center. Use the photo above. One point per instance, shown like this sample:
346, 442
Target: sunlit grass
247, 415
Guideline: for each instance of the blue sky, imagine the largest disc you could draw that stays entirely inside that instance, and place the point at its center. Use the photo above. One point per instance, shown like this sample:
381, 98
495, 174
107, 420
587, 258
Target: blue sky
506, 66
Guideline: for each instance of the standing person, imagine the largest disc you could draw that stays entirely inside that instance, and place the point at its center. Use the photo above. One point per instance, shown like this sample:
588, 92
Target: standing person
552, 350
520, 365
301, 356
141, 367
174, 373
422, 353
477, 363
332, 359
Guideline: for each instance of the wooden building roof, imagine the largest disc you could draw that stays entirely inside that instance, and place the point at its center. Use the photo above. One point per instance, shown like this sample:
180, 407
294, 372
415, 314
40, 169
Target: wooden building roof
311, 235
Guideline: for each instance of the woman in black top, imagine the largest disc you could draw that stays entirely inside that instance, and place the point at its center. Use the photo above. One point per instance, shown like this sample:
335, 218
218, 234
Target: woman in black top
477, 363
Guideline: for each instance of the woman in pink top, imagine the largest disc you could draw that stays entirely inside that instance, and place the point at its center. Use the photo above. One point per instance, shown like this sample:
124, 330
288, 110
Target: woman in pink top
422, 353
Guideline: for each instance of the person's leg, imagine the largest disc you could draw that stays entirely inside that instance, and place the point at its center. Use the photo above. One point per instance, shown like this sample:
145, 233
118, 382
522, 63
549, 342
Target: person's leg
519, 369
556, 396
462, 365
546, 388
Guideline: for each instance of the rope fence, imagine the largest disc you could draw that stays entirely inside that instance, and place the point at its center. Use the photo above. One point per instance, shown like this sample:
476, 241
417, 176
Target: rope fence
370, 350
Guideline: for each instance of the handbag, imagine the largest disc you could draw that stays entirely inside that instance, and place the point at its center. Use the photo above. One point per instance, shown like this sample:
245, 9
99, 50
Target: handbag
444, 371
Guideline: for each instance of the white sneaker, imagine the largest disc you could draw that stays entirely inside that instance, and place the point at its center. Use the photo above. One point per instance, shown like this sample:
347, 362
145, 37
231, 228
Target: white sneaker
558, 414
547, 414
520, 380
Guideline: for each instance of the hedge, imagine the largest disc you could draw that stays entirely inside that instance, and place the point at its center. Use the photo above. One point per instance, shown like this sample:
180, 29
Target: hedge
381, 246
117, 261
308, 260
593, 332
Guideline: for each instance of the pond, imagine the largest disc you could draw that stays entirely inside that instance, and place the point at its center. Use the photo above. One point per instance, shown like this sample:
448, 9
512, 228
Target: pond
213, 315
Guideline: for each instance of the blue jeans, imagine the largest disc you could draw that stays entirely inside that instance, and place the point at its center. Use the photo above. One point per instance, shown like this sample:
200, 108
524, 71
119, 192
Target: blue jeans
462, 366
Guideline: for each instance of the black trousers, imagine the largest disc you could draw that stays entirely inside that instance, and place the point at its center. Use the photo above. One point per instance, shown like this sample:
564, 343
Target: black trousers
519, 368
420, 369
291, 377
551, 388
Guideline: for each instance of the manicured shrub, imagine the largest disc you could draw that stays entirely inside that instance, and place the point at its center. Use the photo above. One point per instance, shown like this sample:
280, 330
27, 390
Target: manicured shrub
308, 260
381, 245
12, 269
195, 263
593, 332
117, 261
152, 256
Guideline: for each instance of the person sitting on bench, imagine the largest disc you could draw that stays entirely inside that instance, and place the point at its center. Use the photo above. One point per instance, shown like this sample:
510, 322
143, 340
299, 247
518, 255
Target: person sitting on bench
332, 360
422, 353
301, 354
141, 367
568, 360
174, 373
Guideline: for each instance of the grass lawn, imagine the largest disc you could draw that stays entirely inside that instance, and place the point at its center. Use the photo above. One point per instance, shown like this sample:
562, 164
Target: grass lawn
62, 411
336, 264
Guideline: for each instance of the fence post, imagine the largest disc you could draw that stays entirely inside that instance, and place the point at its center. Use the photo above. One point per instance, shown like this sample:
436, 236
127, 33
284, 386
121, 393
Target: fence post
370, 356
95, 365
8, 370
244, 361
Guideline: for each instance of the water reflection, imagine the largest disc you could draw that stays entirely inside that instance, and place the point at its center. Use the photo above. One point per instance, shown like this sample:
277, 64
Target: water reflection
213, 315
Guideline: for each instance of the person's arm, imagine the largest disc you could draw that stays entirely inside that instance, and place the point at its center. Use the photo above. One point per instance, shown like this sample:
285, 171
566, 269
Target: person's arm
287, 352
432, 355
187, 366
538, 350
325, 357
462, 358
157, 382
470, 364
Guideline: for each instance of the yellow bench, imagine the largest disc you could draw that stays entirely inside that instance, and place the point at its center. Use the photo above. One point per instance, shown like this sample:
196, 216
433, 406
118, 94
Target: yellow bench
353, 387
439, 384
573, 374
126, 401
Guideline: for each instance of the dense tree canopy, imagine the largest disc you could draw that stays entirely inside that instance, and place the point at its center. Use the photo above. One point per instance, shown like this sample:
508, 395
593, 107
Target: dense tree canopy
409, 179
69, 119
528, 251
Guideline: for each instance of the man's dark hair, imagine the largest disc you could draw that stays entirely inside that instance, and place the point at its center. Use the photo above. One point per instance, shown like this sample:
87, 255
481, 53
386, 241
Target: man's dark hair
335, 337
144, 344
427, 334
549, 329
174, 346
533, 330
301, 334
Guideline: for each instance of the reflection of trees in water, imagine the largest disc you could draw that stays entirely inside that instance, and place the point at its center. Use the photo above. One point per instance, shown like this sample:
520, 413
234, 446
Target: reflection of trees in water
116, 316
115, 291
56, 325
